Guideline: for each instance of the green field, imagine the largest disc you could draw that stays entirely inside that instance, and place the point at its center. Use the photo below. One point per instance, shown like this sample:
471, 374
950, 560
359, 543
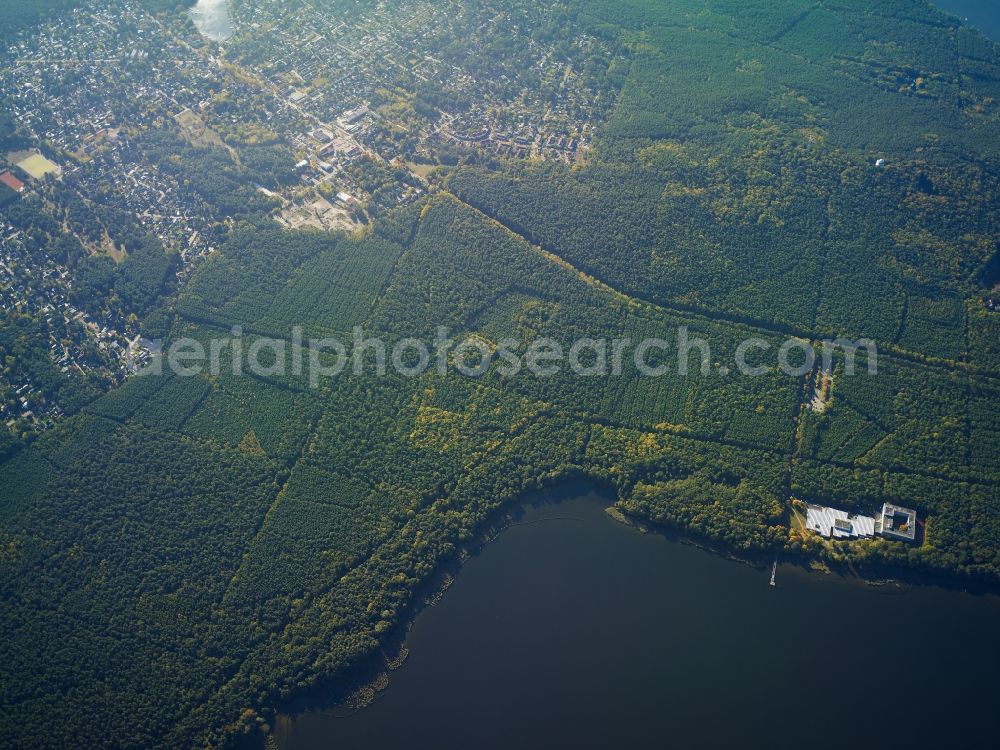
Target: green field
38, 166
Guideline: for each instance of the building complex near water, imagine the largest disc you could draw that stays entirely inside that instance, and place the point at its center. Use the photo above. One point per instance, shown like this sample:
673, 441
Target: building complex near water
893, 522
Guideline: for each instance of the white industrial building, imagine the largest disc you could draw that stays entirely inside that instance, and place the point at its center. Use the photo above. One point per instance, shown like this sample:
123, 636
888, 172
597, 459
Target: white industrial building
897, 523
838, 524
893, 521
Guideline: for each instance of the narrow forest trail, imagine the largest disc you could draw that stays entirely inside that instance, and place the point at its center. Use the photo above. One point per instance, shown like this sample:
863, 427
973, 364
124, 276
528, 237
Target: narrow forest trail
706, 314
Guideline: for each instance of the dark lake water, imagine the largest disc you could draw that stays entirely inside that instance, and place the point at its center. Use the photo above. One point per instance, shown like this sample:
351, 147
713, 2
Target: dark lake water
574, 631
983, 14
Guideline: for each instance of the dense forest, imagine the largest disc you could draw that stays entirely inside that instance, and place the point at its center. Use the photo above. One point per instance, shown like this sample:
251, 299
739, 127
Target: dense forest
184, 553
22, 14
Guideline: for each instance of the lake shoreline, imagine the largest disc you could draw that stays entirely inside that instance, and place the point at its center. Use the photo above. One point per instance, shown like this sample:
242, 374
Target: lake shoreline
973, 14
337, 692
361, 685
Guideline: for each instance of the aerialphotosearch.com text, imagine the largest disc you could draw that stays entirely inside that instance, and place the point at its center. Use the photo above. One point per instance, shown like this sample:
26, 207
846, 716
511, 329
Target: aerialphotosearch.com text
678, 352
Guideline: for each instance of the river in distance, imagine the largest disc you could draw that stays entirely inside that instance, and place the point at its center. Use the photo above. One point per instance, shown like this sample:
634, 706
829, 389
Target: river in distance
572, 630
211, 17
983, 14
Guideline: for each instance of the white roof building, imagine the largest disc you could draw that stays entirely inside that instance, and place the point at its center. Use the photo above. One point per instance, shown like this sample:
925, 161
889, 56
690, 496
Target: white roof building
838, 524
897, 522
